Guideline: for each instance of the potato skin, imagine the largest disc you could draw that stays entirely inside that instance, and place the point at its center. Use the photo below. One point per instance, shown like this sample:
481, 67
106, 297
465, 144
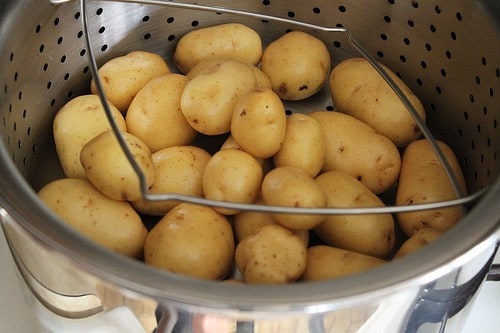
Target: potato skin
179, 169
292, 187
272, 255
422, 237
360, 91
423, 180
230, 40
122, 77
111, 223
192, 240
108, 169
232, 175
297, 64
258, 124
155, 114
327, 262
303, 146
209, 98
372, 235
355, 148
76, 123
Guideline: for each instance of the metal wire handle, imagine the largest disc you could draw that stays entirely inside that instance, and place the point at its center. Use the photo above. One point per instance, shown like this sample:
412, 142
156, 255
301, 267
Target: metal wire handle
461, 198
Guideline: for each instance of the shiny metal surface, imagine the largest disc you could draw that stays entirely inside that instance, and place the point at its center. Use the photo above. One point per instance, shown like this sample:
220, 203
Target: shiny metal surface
449, 62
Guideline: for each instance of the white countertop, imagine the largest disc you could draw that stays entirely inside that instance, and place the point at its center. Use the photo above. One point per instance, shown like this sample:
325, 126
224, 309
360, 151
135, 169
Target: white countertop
484, 317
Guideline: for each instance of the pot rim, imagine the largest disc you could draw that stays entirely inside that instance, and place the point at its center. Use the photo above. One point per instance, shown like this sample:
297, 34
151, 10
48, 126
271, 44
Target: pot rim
412, 271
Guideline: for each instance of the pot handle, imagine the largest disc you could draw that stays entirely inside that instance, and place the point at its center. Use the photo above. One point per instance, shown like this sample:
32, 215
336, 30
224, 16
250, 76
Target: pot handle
494, 273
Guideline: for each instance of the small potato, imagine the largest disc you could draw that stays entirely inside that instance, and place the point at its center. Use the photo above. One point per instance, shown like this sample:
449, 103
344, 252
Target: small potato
355, 148
192, 240
297, 65
108, 169
423, 180
272, 255
360, 91
111, 223
232, 175
422, 237
292, 187
75, 124
248, 222
230, 40
259, 122
327, 262
209, 98
372, 235
155, 115
179, 169
122, 77
303, 146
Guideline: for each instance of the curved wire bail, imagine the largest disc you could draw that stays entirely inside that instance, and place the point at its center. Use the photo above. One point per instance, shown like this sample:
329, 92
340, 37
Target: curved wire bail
461, 199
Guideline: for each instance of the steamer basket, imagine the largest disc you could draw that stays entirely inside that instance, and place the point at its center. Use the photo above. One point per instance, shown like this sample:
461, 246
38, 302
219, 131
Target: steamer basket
447, 52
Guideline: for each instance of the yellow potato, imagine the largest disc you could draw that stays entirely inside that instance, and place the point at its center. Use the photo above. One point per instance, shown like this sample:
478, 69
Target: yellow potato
272, 255
259, 122
360, 91
355, 148
209, 98
155, 115
248, 222
75, 124
373, 235
232, 175
111, 223
230, 40
292, 187
327, 262
179, 169
108, 169
418, 240
297, 64
192, 240
303, 146
122, 77
423, 180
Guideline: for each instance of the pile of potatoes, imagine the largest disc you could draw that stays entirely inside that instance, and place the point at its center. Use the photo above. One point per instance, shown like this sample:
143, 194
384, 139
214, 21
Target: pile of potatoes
216, 127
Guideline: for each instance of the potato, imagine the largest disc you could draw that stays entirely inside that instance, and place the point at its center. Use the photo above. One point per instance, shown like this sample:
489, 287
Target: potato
360, 91
422, 237
108, 169
292, 187
372, 235
209, 98
423, 180
297, 64
303, 146
248, 222
192, 240
232, 175
122, 77
327, 262
259, 122
272, 255
179, 169
155, 115
75, 124
230, 40
355, 148
111, 223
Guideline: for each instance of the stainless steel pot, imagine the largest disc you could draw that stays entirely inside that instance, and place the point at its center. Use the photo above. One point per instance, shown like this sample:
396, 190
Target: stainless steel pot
446, 51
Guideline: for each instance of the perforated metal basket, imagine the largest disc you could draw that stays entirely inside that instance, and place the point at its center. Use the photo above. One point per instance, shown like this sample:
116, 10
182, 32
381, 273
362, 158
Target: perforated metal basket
447, 52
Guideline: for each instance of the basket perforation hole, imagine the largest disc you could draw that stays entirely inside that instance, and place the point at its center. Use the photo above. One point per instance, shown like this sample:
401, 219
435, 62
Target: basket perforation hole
380, 54
104, 47
443, 72
266, 2
101, 30
491, 92
41, 48
60, 40
406, 41
145, 18
402, 58
49, 85
459, 16
147, 36
477, 79
77, 15
83, 52
290, 14
383, 36
432, 28
411, 24
337, 44
466, 115
448, 54
428, 47
66, 77
63, 59
45, 67
171, 38
56, 21
170, 20
414, 4
342, 9
316, 10
79, 34
11, 56
471, 98
423, 64
330, 108
437, 9
438, 90
52, 102
391, 2
99, 11
453, 35
195, 23
20, 95
387, 19
419, 82
485, 110
483, 61
25, 112
38, 28
16, 76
